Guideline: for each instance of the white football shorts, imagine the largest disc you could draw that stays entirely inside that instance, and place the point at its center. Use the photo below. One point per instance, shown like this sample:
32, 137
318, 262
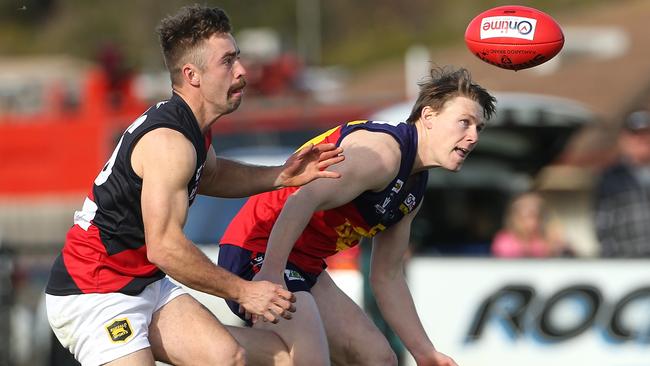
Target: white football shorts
99, 328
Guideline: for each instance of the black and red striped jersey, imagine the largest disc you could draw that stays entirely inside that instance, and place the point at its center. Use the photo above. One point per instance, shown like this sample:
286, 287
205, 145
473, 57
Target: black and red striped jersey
105, 249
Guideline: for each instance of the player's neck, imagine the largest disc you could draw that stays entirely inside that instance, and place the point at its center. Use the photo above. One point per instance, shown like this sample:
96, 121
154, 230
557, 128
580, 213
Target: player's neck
204, 114
423, 158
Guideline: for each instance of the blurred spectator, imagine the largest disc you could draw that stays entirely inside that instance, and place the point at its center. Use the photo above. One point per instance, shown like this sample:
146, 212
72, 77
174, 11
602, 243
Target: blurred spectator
280, 75
118, 76
277, 76
529, 230
110, 84
622, 196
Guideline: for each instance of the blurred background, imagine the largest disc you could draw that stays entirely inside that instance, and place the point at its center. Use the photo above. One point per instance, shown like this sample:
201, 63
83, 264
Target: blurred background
74, 74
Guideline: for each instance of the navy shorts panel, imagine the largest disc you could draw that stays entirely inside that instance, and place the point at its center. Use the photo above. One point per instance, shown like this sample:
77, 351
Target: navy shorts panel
245, 264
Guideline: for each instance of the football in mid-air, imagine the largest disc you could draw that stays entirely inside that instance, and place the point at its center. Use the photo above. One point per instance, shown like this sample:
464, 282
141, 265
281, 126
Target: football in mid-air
514, 37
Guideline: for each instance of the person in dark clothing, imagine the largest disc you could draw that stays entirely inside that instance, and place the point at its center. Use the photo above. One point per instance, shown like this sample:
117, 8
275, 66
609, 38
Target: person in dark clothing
622, 195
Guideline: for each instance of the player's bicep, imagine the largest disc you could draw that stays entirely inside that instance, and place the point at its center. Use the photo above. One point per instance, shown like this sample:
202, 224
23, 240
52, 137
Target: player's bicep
167, 161
371, 162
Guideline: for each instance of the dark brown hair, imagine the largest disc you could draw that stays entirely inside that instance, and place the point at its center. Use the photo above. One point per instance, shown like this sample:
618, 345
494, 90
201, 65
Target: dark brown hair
443, 85
181, 35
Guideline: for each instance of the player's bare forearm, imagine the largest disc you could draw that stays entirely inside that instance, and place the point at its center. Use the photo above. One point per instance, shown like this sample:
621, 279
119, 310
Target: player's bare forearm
182, 260
309, 163
233, 179
396, 305
293, 219
187, 264
393, 295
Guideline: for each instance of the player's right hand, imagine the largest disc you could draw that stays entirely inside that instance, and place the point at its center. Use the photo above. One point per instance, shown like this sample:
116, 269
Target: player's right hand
266, 300
436, 359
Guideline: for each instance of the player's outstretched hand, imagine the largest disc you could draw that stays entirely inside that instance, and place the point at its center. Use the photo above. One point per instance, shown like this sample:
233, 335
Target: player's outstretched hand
436, 359
309, 163
266, 300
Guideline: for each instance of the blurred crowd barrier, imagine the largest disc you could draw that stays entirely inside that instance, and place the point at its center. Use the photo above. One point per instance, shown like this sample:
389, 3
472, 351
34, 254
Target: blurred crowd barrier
534, 312
559, 311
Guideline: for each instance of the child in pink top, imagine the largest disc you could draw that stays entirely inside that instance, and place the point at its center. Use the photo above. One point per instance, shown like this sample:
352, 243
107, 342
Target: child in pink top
527, 232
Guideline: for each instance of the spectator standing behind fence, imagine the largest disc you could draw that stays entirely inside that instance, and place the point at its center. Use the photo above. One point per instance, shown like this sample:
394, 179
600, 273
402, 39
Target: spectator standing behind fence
529, 230
622, 195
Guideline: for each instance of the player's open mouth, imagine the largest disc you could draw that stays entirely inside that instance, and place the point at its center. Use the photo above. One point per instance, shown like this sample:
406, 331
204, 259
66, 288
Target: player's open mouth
462, 152
237, 92
238, 89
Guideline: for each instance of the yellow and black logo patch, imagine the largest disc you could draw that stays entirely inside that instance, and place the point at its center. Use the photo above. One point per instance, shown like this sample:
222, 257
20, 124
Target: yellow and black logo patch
119, 330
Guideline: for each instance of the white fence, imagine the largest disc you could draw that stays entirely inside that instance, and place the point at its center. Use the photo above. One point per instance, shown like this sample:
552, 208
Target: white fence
560, 312
487, 311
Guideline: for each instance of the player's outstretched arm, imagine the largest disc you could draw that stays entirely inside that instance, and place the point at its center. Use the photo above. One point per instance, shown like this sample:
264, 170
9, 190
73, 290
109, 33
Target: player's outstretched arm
372, 160
371, 163
165, 161
393, 296
229, 178
309, 163
297, 211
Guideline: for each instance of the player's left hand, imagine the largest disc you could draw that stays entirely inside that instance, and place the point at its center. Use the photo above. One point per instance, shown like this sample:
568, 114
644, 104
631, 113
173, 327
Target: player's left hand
267, 301
309, 163
285, 312
436, 359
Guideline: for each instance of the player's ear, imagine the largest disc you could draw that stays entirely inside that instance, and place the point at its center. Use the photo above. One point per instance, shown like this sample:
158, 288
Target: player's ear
190, 74
427, 116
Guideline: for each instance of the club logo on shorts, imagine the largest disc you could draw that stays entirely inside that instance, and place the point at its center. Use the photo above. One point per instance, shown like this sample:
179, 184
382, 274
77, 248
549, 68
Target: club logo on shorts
293, 275
119, 330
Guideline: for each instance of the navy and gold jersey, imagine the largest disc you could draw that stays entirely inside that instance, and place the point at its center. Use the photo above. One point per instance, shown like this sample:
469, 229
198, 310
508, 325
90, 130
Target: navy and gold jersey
331, 231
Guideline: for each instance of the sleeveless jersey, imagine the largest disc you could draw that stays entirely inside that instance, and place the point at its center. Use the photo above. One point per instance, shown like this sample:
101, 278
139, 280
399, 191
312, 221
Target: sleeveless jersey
105, 249
333, 230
